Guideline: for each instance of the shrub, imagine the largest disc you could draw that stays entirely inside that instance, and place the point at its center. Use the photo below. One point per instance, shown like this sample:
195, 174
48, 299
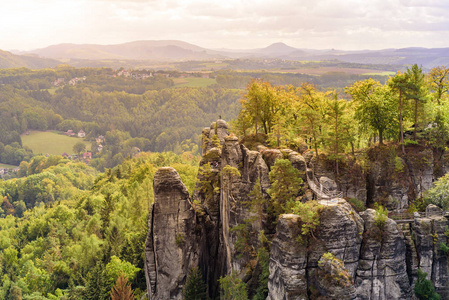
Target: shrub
357, 204
410, 142
309, 217
179, 239
424, 288
380, 216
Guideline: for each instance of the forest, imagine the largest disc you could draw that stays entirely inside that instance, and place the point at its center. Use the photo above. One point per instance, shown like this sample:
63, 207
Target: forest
150, 113
68, 230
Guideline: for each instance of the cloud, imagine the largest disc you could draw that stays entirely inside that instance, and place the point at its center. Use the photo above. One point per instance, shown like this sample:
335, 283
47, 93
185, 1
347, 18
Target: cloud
231, 23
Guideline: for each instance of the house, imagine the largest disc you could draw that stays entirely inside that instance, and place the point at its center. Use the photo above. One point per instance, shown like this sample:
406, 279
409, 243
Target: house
87, 155
65, 155
58, 82
81, 133
99, 148
100, 139
69, 132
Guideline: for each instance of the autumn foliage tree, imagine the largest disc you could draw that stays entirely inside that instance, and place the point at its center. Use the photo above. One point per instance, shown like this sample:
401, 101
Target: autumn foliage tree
122, 289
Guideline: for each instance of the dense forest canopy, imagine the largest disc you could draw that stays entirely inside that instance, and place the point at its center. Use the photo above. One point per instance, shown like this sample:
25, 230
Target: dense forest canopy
141, 109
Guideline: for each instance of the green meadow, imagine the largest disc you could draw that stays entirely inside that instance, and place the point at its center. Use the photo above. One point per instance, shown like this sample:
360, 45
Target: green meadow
6, 166
194, 82
43, 142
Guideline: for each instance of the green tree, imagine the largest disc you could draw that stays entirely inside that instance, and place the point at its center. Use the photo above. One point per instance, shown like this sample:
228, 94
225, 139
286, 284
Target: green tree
374, 106
337, 136
195, 287
399, 84
257, 203
285, 184
309, 217
79, 147
310, 113
416, 91
233, 288
260, 105
438, 80
439, 193
424, 288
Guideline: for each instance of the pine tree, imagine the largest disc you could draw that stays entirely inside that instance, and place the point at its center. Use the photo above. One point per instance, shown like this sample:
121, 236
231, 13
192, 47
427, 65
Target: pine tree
195, 288
122, 289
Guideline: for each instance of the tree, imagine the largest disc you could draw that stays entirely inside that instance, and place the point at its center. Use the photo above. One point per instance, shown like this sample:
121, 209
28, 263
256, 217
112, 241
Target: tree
424, 288
311, 114
257, 203
416, 91
438, 80
195, 287
439, 193
233, 288
309, 217
285, 184
122, 289
399, 84
79, 147
374, 106
337, 137
260, 106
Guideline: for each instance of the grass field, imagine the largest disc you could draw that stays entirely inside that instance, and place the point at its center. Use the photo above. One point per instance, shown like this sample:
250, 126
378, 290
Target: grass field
43, 142
5, 166
194, 82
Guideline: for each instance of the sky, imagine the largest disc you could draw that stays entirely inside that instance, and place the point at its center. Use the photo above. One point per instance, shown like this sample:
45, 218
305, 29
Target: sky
232, 24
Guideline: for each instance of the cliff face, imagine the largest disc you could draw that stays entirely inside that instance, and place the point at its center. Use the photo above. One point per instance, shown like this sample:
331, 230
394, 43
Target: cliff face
172, 242
368, 261
294, 266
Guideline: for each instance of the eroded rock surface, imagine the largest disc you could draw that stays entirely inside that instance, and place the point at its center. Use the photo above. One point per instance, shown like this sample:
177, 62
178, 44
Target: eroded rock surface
430, 234
172, 245
382, 271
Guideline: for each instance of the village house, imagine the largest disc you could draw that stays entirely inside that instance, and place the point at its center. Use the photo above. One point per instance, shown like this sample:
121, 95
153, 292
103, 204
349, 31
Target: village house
87, 155
100, 139
81, 133
69, 132
58, 82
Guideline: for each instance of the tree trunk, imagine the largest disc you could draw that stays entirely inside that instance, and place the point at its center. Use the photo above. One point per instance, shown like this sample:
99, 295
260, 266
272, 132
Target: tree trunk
416, 119
400, 122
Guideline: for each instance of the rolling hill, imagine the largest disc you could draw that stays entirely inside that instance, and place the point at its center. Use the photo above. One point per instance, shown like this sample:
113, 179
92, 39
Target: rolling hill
172, 50
9, 60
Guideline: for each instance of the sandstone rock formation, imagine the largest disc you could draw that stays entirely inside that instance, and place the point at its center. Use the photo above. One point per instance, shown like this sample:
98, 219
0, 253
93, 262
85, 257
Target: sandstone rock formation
382, 271
172, 244
378, 261
430, 234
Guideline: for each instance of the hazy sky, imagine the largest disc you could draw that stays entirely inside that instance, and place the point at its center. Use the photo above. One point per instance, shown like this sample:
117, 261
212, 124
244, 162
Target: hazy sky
319, 24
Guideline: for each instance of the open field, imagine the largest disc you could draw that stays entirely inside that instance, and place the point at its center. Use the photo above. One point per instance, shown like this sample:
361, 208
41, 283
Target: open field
6, 166
324, 70
193, 82
43, 142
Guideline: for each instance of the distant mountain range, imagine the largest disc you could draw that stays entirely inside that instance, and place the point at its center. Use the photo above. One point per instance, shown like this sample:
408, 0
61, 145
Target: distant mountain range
181, 51
9, 60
